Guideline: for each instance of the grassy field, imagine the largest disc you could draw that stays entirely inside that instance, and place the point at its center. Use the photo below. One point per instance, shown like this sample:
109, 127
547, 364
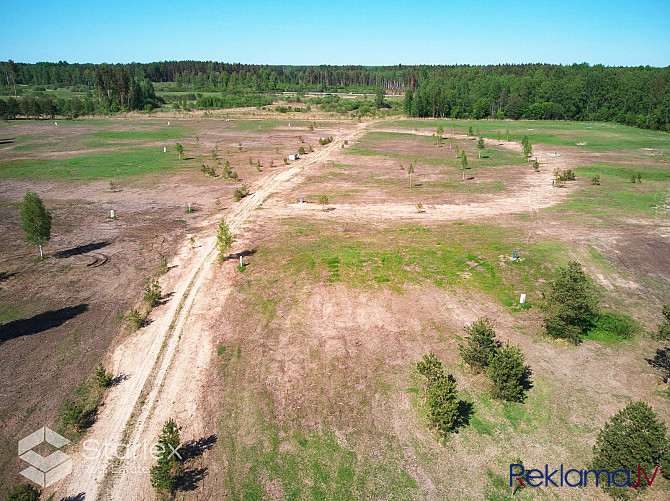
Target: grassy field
597, 135
313, 392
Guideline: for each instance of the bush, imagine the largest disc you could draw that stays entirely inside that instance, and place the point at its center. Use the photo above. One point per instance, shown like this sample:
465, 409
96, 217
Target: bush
595, 180
482, 345
73, 415
241, 192
24, 492
166, 473
162, 264
208, 170
635, 435
570, 304
612, 324
508, 374
102, 378
152, 292
664, 327
135, 319
325, 140
323, 201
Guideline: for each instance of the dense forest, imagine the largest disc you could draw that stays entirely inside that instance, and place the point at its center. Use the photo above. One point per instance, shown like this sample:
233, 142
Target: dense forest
638, 96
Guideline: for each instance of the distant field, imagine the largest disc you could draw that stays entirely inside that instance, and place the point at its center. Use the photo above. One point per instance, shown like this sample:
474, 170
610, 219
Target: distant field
596, 135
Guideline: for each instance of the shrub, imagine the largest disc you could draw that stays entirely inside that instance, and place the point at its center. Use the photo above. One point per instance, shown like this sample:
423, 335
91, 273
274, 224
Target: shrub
102, 378
162, 264
73, 415
508, 374
325, 140
241, 192
613, 324
208, 170
635, 435
570, 304
536, 165
152, 292
135, 319
664, 327
595, 180
166, 473
323, 201
24, 492
482, 345
301, 150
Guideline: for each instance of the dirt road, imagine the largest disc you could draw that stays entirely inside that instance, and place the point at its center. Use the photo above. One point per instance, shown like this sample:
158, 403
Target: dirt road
162, 366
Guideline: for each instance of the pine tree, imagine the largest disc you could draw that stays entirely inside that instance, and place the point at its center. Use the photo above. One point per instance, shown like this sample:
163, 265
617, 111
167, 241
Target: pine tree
464, 162
570, 304
441, 394
442, 402
482, 345
635, 435
508, 374
480, 146
165, 475
35, 221
224, 240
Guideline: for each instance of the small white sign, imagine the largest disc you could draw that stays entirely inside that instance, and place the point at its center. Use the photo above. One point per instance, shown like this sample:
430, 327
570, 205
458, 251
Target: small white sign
522, 299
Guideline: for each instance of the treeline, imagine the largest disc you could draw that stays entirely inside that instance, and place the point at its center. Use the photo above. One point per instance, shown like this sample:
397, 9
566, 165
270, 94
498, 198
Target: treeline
631, 96
635, 96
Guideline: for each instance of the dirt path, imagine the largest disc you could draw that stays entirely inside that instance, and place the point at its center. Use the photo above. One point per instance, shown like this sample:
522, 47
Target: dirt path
164, 365
533, 192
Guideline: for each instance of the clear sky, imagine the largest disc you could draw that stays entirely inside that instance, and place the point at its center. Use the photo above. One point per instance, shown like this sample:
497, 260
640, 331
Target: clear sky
613, 33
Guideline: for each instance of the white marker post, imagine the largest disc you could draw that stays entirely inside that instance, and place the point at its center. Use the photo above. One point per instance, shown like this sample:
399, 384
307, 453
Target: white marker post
522, 299
164, 149
241, 263
111, 213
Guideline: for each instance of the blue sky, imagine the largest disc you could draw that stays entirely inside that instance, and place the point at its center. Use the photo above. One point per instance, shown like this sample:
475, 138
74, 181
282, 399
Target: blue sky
626, 33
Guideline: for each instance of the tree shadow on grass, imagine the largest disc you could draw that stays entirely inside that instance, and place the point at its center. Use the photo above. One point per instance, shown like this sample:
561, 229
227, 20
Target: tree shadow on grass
465, 411
661, 361
245, 253
80, 249
40, 322
192, 475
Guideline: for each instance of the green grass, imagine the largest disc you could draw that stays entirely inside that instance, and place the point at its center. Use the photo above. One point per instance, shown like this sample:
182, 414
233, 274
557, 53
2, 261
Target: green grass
463, 256
616, 196
266, 124
167, 133
600, 136
375, 144
99, 166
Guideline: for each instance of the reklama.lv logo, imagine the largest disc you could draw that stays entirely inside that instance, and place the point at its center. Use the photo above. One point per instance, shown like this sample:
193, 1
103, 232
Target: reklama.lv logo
576, 478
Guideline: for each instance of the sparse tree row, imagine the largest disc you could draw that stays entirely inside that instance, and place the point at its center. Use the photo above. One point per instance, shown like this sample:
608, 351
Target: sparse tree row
633, 96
